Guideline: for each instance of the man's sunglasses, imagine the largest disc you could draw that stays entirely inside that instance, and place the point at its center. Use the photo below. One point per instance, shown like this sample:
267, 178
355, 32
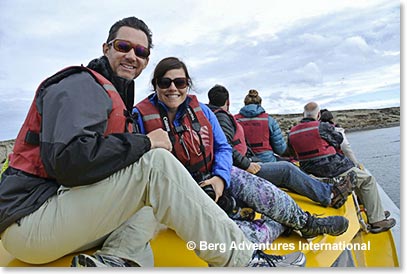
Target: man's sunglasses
125, 46
166, 82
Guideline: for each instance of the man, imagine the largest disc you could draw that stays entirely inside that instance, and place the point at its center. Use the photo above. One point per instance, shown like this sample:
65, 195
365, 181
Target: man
315, 144
79, 177
282, 174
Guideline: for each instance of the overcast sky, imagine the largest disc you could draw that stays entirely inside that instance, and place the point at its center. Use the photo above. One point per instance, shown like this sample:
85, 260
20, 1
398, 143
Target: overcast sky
341, 54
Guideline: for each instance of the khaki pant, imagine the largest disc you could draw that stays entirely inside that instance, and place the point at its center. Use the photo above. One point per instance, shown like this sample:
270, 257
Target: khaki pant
157, 188
366, 190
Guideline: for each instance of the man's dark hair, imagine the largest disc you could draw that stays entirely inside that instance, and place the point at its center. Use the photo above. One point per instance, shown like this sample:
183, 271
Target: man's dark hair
131, 22
218, 95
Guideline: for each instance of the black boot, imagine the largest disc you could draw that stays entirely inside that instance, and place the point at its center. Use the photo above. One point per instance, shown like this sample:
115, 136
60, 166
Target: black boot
332, 225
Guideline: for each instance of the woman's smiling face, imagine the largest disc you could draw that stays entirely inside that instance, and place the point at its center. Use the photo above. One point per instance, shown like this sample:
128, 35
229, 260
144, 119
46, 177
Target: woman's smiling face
172, 96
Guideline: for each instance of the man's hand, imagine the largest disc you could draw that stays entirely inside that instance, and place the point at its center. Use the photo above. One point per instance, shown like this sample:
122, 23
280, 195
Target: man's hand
159, 139
253, 168
217, 184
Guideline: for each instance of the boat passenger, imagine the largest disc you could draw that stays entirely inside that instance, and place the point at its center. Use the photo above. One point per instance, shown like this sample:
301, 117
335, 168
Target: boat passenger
263, 133
282, 173
201, 146
315, 144
345, 148
80, 178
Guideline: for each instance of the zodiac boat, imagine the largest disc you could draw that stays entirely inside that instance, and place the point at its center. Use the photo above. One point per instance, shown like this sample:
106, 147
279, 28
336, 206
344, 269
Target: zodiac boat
355, 248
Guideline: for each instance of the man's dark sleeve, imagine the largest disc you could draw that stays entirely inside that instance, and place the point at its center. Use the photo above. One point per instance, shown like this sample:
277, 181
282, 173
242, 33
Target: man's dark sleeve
239, 160
74, 149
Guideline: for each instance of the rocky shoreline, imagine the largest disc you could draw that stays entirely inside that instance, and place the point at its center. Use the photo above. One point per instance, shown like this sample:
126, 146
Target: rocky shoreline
351, 120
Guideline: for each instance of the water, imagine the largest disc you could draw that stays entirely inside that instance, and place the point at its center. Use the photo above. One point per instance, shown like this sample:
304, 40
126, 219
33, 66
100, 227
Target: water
379, 151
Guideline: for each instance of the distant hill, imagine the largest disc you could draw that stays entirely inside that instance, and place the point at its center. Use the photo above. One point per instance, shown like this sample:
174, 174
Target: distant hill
351, 120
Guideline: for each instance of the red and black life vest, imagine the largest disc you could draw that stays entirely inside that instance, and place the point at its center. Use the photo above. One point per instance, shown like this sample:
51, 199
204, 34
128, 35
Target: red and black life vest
256, 130
307, 142
192, 143
26, 151
238, 142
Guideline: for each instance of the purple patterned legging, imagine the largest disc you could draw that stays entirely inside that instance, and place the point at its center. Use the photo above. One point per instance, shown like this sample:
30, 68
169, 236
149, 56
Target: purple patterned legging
278, 209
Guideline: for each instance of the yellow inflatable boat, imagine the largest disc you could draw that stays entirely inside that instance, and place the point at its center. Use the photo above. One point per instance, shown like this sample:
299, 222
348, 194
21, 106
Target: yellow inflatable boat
355, 247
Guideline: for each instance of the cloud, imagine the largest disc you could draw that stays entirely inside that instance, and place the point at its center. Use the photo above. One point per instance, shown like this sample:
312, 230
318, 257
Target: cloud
333, 52
310, 74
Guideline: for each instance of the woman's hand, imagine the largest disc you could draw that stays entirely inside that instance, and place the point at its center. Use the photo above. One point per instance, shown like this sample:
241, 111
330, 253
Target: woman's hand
253, 168
217, 184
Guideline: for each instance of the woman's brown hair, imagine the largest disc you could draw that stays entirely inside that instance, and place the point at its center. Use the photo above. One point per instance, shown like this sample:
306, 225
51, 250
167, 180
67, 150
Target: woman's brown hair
252, 98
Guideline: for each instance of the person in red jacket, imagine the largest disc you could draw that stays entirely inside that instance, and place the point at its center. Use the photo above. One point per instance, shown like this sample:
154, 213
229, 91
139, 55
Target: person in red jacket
315, 145
81, 177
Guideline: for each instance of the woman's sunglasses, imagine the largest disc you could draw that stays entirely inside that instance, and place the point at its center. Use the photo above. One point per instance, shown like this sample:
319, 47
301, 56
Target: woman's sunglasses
166, 82
125, 46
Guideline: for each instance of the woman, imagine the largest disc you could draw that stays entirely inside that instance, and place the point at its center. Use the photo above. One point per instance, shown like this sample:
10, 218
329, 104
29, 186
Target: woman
200, 144
263, 134
326, 116
345, 148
